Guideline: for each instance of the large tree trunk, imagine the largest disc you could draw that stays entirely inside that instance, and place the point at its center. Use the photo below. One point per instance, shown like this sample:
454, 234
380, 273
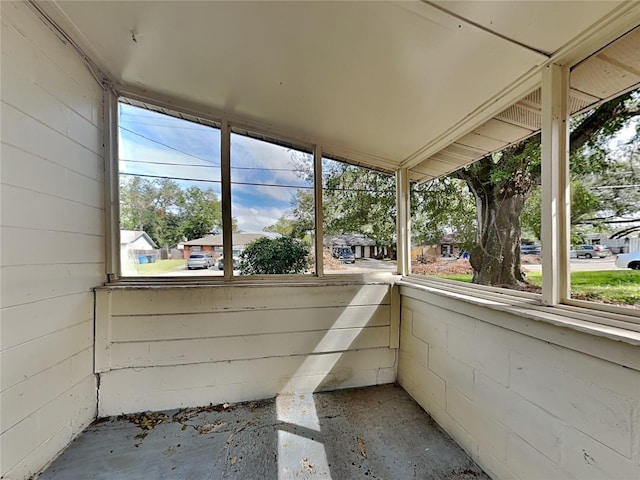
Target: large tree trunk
502, 184
500, 199
496, 257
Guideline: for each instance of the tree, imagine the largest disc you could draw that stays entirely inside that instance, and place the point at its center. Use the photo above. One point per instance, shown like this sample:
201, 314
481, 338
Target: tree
440, 207
168, 212
502, 183
282, 255
604, 197
355, 201
611, 196
202, 212
284, 226
358, 200
152, 206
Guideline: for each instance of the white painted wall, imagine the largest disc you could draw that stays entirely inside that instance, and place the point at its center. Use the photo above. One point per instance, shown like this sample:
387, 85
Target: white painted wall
522, 397
169, 347
52, 241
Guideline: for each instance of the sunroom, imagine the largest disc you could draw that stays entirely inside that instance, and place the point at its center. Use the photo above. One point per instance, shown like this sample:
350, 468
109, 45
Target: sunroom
529, 385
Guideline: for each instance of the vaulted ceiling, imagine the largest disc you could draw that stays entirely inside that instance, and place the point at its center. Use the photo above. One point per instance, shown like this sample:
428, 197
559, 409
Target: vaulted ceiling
424, 85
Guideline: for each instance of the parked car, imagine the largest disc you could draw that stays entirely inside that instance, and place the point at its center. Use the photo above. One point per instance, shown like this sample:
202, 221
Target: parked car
530, 250
344, 254
200, 260
236, 263
590, 251
628, 260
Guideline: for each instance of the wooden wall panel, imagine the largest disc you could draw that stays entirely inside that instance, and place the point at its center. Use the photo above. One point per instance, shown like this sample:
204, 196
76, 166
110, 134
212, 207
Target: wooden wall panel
52, 241
168, 347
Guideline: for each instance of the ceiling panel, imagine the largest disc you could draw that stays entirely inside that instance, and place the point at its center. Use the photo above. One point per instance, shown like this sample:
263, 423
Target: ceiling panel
545, 26
379, 83
378, 78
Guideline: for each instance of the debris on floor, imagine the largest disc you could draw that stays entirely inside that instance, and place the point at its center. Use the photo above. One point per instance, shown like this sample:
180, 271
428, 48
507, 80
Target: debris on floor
361, 448
340, 435
146, 420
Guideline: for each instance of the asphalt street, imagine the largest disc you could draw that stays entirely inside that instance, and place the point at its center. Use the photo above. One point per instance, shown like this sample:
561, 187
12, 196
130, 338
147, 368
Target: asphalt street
582, 264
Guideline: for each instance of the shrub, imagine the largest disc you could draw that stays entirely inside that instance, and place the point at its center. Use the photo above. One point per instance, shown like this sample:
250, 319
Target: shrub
266, 256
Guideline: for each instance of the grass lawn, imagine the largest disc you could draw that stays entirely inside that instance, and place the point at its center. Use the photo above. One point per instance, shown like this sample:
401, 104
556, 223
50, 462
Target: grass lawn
611, 286
161, 266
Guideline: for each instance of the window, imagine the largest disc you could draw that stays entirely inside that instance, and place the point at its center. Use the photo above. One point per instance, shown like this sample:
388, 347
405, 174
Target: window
272, 206
588, 207
170, 191
443, 228
359, 220
170, 185
605, 202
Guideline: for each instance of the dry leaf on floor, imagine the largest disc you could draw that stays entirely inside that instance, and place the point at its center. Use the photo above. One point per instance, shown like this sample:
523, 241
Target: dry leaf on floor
146, 421
212, 427
307, 466
363, 452
234, 460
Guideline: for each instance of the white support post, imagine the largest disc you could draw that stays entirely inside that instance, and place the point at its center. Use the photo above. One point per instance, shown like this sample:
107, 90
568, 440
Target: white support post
227, 226
403, 221
317, 188
555, 185
111, 186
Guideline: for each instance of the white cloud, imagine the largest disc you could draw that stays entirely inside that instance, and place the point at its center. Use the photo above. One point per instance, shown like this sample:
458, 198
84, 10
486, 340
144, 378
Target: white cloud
255, 219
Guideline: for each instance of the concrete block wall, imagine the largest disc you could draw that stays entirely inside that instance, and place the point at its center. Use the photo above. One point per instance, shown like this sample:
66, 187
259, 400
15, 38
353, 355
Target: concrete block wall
169, 347
52, 241
527, 400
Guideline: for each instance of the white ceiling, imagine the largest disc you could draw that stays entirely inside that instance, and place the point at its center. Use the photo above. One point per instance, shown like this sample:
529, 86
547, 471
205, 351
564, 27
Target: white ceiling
378, 82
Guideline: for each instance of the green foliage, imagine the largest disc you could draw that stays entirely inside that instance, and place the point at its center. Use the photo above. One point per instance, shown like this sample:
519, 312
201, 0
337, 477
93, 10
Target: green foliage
267, 256
603, 189
440, 207
531, 217
284, 226
609, 286
152, 206
355, 201
202, 212
583, 201
166, 211
298, 222
161, 266
358, 200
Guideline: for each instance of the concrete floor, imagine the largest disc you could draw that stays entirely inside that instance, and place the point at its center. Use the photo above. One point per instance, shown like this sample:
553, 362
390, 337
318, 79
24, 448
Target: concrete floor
365, 433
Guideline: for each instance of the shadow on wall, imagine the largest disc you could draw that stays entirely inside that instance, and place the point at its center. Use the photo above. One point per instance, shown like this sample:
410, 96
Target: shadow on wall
159, 348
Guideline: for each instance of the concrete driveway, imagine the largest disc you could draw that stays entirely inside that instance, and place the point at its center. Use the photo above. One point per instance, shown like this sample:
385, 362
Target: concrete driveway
368, 265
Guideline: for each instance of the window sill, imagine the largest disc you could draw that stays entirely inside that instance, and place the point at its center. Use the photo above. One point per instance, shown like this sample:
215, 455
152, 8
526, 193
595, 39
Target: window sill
267, 280
524, 313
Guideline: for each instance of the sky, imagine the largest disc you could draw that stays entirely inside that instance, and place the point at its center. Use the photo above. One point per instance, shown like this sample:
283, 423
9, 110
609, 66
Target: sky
263, 176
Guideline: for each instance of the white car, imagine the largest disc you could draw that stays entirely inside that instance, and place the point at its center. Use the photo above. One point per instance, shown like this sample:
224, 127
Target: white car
628, 260
200, 260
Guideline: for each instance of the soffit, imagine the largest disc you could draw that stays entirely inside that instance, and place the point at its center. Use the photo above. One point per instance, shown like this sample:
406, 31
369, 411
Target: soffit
376, 82
604, 75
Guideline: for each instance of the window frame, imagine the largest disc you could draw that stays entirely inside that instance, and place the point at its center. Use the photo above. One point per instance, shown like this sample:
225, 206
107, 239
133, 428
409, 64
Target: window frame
555, 183
555, 296
113, 269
